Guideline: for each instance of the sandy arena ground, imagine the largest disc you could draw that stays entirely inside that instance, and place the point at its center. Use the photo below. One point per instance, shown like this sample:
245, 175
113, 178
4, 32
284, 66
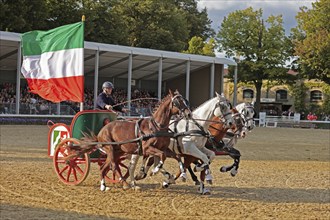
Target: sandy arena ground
284, 174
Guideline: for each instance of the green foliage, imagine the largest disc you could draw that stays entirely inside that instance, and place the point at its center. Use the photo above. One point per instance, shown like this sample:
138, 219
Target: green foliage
198, 46
23, 15
262, 48
311, 39
157, 24
153, 24
198, 22
326, 104
299, 92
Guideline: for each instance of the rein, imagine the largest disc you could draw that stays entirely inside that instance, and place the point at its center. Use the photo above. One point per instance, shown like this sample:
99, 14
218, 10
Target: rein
133, 100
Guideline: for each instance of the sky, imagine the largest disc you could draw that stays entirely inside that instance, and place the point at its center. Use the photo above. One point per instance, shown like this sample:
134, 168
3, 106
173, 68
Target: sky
218, 9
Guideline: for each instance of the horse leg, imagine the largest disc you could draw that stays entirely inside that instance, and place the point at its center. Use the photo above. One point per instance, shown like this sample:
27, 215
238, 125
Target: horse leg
143, 173
193, 176
104, 169
191, 149
211, 155
202, 190
169, 179
131, 169
187, 161
236, 155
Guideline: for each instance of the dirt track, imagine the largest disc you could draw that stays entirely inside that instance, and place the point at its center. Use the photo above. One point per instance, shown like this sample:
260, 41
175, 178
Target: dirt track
284, 174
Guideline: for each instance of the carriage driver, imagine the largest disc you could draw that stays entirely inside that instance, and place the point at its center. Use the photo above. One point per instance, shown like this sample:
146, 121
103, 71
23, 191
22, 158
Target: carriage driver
105, 100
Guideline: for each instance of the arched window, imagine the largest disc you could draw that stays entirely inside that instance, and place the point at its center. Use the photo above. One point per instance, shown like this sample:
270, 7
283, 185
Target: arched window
281, 94
247, 94
316, 95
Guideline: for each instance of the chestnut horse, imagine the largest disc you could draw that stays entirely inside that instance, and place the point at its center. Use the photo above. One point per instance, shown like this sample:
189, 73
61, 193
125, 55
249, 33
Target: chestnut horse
146, 136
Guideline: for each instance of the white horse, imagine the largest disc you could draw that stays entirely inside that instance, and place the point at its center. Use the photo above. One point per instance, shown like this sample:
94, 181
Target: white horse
193, 134
243, 122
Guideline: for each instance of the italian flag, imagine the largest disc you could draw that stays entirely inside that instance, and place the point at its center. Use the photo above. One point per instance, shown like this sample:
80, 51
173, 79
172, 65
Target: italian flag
53, 62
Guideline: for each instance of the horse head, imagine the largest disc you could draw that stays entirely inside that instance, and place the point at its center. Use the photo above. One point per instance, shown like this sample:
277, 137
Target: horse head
244, 117
179, 105
223, 110
172, 104
247, 112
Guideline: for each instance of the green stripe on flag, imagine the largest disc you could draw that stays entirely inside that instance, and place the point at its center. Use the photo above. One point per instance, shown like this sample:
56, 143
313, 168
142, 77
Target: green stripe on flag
65, 37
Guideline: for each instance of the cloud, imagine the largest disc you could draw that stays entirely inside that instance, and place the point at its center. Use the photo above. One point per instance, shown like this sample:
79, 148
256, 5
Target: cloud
218, 9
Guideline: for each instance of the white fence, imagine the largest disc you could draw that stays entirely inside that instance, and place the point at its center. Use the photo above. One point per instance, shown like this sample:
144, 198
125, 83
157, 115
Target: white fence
288, 121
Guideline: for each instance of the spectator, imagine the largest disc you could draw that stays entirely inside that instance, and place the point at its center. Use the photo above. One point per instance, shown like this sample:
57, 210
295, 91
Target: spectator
311, 116
44, 108
33, 105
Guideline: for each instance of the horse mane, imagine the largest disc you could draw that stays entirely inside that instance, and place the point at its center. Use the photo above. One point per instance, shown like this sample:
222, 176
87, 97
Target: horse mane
160, 102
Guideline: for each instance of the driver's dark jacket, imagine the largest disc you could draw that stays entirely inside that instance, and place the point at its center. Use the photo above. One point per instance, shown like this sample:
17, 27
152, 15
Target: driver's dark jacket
103, 100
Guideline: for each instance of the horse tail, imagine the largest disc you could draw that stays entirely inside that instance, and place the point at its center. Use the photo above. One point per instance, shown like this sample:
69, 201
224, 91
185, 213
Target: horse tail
88, 141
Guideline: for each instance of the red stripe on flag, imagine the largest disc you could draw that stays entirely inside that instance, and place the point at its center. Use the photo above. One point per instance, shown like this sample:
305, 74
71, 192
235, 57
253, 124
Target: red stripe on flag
59, 89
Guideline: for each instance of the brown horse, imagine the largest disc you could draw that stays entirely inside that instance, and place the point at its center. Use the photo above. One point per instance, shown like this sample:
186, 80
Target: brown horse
147, 136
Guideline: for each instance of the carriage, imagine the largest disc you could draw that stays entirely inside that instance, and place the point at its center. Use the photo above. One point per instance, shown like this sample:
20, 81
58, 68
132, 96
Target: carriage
76, 170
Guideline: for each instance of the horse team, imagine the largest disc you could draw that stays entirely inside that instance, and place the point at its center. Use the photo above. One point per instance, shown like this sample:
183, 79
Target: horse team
173, 130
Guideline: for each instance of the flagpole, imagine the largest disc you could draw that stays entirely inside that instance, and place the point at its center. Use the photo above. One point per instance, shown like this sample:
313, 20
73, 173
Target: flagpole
82, 103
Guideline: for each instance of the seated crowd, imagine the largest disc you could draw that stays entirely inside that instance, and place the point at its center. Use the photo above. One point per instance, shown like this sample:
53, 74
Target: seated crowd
142, 102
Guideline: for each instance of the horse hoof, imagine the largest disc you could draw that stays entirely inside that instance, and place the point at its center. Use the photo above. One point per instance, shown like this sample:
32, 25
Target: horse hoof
140, 176
136, 188
126, 186
165, 185
206, 192
209, 179
104, 188
233, 172
223, 169
183, 177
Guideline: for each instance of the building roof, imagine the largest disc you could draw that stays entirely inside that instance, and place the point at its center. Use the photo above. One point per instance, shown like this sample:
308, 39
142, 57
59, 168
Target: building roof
113, 59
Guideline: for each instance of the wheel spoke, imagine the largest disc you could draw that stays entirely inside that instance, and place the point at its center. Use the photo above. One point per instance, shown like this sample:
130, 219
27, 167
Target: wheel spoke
79, 169
64, 169
68, 175
62, 151
75, 174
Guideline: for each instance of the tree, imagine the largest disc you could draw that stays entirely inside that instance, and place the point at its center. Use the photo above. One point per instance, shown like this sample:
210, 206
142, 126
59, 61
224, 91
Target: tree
262, 49
198, 46
198, 22
153, 24
299, 92
23, 15
102, 23
311, 39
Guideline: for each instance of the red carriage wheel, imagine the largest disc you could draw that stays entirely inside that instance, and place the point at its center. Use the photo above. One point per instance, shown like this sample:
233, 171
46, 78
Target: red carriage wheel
72, 171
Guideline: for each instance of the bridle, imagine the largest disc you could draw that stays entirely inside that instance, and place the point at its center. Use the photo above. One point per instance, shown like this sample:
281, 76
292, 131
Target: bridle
176, 102
245, 118
222, 104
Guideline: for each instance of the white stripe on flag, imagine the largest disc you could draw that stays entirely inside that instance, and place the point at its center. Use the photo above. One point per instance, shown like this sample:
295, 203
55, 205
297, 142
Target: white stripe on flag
59, 64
